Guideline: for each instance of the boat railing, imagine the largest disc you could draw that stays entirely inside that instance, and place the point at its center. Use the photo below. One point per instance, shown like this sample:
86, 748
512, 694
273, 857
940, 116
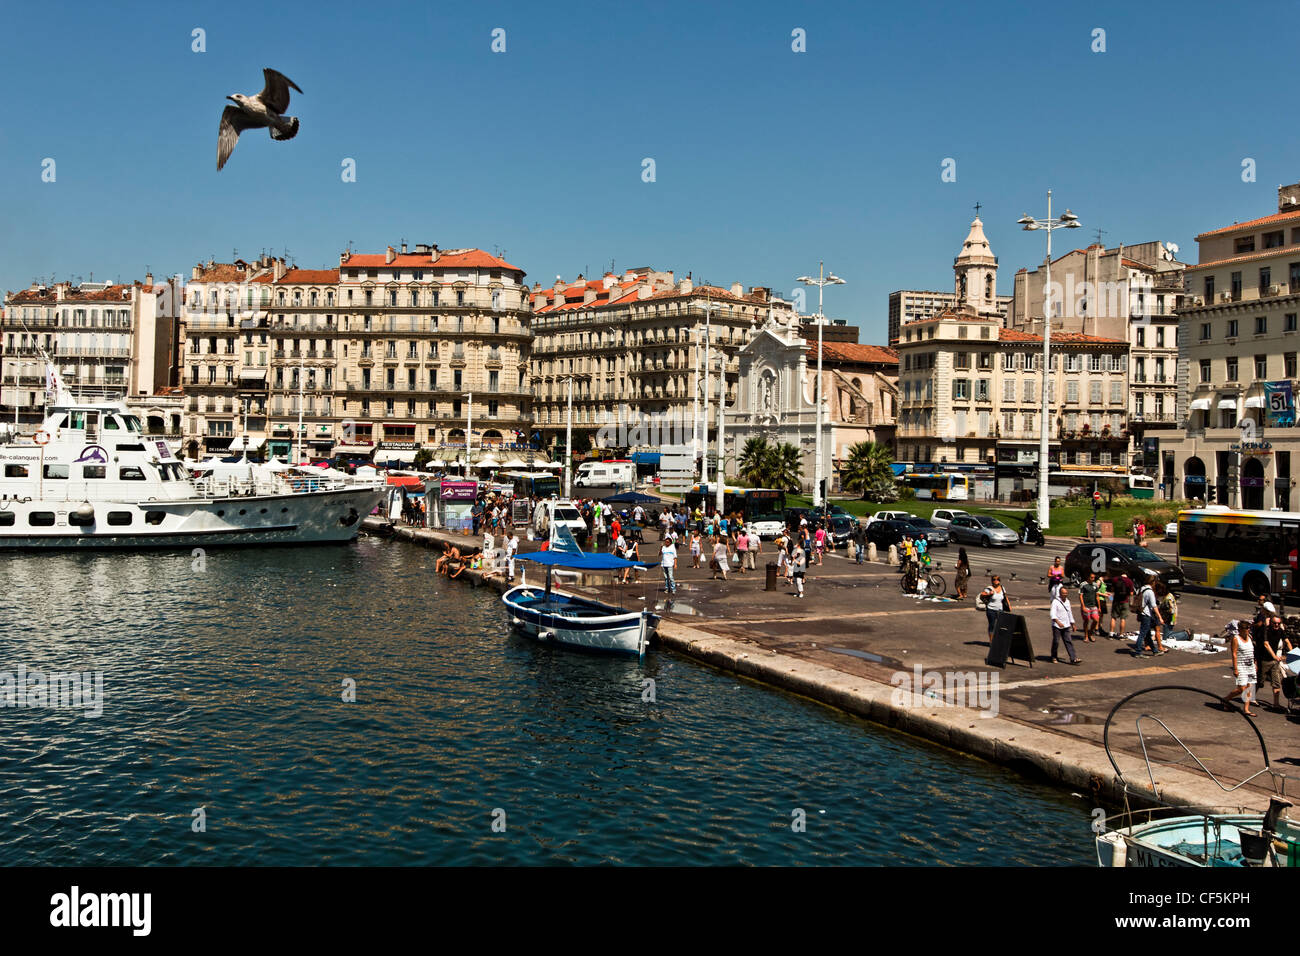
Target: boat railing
242, 487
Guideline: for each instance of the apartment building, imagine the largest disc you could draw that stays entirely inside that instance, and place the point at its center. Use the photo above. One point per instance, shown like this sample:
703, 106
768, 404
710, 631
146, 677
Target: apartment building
911, 305
1129, 292
386, 354
106, 339
635, 344
1238, 340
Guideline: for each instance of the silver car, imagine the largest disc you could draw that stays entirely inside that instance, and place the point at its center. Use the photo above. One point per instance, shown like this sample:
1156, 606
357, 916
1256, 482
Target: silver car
943, 516
982, 530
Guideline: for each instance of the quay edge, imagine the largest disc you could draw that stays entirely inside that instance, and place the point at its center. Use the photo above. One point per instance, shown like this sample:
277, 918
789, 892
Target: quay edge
1064, 761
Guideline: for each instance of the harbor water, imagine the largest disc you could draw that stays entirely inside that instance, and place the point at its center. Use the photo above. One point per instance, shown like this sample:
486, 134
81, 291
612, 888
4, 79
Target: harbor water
225, 736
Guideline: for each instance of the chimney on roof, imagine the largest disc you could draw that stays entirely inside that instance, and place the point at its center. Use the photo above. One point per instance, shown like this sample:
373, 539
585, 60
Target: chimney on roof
433, 252
421, 248
737, 289
278, 270
197, 271
764, 294
148, 278
390, 255
344, 256
1288, 198
686, 286
403, 248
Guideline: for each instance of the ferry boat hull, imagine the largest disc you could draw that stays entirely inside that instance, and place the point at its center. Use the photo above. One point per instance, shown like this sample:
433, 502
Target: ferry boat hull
562, 618
315, 517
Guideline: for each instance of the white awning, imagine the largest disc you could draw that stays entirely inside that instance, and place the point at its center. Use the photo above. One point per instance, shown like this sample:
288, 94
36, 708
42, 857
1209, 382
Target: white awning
1227, 403
253, 374
515, 463
1200, 405
436, 463
246, 443
395, 454
353, 449
488, 462
1255, 401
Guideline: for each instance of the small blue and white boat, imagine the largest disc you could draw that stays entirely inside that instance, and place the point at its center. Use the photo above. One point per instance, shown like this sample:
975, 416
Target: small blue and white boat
548, 615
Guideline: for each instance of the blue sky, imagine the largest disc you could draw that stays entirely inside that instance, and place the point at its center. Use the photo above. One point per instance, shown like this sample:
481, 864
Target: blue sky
766, 159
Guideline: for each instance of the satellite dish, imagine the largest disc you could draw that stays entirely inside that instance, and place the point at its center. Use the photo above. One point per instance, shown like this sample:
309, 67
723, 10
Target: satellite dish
1172, 247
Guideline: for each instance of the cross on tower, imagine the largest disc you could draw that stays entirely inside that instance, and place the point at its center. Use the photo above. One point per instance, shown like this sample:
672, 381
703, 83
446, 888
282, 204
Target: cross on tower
978, 207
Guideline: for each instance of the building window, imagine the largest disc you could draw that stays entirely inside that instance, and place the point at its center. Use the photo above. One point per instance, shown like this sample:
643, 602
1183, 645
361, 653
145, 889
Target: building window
1232, 328
1205, 331
1265, 279
1141, 338
960, 388
1261, 367
1236, 286
1232, 369
1289, 322
1288, 364
982, 390
1094, 392
1009, 390
1261, 324
1209, 290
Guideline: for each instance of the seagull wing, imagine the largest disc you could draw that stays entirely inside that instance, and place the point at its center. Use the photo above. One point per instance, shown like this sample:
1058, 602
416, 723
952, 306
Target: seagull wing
233, 122
276, 92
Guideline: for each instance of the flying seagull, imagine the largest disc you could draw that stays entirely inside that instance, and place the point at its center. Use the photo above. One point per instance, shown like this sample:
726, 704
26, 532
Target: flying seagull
253, 112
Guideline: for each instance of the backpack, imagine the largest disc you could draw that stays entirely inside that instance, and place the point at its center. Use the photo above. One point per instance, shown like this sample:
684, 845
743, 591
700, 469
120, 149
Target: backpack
1135, 599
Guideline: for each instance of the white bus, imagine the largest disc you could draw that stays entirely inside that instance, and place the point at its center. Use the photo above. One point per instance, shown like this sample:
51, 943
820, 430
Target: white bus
938, 486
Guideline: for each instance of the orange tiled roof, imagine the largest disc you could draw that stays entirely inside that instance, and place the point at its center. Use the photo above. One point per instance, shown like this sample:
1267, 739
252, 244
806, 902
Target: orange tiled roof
1252, 223
1058, 338
220, 272
855, 352
310, 276
1246, 257
456, 258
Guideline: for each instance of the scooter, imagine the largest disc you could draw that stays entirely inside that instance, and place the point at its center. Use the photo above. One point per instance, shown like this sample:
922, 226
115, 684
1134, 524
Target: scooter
1033, 534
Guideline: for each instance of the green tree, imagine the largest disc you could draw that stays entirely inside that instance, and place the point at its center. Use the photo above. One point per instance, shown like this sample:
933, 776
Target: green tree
755, 461
422, 458
867, 466
786, 468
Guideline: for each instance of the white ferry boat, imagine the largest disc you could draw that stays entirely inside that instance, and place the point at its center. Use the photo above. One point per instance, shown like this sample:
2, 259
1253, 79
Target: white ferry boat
89, 478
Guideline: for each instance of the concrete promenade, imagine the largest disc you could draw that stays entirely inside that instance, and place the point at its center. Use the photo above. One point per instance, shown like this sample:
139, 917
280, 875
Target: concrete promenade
857, 643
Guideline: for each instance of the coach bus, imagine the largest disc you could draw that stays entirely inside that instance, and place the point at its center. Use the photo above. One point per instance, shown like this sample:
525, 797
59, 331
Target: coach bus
1233, 550
751, 503
938, 486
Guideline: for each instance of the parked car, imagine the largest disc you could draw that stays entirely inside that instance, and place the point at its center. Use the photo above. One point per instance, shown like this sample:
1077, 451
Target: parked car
1137, 562
933, 533
793, 515
982, 530
841, 528
768, 526
888, 531
945, 515
893, 515
1171, 531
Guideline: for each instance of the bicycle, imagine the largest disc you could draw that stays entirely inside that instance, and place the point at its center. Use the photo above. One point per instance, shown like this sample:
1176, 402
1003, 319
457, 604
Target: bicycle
934, 584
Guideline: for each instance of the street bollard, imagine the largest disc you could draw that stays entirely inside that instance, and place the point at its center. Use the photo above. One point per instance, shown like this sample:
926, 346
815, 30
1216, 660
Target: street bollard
871, 551
771, 576
893, 555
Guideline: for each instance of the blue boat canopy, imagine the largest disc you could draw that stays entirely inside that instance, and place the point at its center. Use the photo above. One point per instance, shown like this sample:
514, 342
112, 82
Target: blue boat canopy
631, 498
582, 562
645, 457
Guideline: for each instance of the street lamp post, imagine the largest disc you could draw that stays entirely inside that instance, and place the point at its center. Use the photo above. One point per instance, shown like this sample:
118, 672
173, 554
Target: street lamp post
469, 429
1068, 220
704, 422
722, 430
820, 282
568, 443
297, 454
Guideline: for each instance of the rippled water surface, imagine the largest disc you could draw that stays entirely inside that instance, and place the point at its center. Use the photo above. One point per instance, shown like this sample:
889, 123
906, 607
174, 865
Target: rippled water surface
223, 690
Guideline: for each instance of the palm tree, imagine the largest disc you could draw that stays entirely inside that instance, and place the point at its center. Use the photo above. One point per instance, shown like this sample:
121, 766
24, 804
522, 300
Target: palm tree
785, 468
754, 463
867, 466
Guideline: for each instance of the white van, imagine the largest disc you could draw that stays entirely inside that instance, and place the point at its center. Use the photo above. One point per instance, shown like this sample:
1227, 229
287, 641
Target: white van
601, 473
561, 511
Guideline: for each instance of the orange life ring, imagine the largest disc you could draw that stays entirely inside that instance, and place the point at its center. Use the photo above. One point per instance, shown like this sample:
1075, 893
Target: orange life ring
41, 437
